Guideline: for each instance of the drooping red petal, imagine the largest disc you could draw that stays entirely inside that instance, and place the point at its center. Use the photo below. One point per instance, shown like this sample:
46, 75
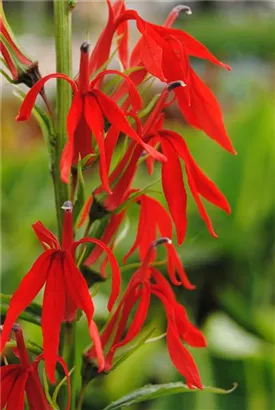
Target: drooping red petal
9, 374
94, 118
204, 185
78, 289
35, 393
139, 317
26, 292
188, 332
16, 396
44, 235
122, 30
199, 203
75, 114
151, 55
53, 313
28, 103
182, 359
115, 116
116, 279
175, 265
174, 190
203, 111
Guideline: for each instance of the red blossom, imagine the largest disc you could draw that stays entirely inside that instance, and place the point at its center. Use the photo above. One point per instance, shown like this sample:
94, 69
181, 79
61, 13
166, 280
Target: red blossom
145, 282
65, 290
86, 116
23, 377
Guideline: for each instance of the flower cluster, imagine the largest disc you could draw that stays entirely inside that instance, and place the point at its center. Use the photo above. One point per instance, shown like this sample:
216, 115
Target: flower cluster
100, 115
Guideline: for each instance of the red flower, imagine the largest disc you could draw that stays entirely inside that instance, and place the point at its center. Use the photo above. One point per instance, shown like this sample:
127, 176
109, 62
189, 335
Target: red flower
139, 292
164, 53
86, 116
65, 290
19, 378
21, 67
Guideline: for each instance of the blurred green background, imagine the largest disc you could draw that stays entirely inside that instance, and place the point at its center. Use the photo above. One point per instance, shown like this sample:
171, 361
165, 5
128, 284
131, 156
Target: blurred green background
234, 300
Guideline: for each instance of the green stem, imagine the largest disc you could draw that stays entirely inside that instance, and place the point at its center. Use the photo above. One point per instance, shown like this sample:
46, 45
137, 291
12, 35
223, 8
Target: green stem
69, 355
63, 46
81, 397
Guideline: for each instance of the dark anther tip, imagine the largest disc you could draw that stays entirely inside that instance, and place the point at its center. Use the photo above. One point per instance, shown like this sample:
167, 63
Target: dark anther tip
183, 9
175, 84
16, 327
67, 206
85, 47
161, 241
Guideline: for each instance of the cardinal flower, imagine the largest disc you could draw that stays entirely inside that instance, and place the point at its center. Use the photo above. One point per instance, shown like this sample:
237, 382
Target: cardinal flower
86, 117
65, 290
23, 377
145, 282
164, 53
21, 67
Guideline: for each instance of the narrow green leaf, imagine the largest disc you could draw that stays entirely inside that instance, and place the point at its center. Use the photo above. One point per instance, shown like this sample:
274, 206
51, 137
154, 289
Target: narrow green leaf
58, 387
153, 391
28, 317
33, 307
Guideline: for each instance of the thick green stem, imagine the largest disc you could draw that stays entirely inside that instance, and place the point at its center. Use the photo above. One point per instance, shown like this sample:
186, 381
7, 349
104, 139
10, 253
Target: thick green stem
63, 46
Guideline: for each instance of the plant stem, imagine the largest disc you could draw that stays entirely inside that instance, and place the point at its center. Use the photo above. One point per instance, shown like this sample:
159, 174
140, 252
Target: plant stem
63, 47
81, 396
63, 40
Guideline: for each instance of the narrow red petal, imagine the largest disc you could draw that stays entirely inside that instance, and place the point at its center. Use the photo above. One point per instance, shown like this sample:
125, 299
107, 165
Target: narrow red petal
26, 292
53, 313
44, 235
174, 263
9, 374
115, 116
174, 190
182, 359
97, 345
74, 116
116, 279
122, 30
203, 111
16, 396
110, 144
94, 118
29, 100
188, 332
85, 211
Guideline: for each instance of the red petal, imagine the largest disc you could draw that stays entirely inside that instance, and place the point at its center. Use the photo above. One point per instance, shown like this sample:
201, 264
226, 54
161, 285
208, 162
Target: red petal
9, 374
94, 118
188, 332
44, 235
151, 56
97, 345
119, 8
26, 292
203, 112
182, 359
102, 48
134, 96
29, 100
35, 393
174, 263
115, 116
174, 190
110, 144
139, 318
53, 313
204, 185
116, 279
16, 396
199, 203
74, 116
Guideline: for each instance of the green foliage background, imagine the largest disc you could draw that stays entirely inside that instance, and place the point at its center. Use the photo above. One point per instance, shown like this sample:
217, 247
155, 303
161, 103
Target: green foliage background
234, 300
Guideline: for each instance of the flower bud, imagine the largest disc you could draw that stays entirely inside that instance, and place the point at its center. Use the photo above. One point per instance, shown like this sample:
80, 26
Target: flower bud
22, 68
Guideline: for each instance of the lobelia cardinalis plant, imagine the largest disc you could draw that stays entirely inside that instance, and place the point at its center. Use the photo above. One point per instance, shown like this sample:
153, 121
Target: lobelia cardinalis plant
91, 116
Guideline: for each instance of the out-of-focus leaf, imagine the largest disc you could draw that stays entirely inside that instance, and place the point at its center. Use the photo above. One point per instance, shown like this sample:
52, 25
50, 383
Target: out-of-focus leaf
152, 391
28, 317
33, 307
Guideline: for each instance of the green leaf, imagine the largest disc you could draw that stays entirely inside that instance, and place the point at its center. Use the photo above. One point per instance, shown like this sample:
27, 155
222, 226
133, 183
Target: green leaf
58, 387
33, 307
153, 391
28, 317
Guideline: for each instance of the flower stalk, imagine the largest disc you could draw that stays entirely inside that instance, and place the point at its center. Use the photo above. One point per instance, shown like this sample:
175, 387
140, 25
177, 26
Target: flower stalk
63, 47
